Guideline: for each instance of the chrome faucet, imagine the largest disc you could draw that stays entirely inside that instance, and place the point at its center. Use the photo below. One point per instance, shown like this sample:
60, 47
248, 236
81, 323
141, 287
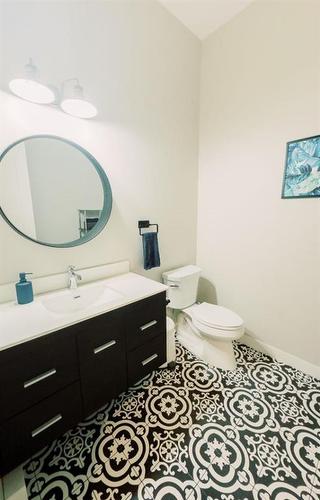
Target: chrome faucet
73, 278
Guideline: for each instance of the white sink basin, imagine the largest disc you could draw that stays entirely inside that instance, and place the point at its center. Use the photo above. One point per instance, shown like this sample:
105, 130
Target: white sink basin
85, 297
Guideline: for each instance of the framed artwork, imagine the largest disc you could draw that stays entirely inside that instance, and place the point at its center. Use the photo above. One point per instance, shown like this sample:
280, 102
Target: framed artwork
302, 169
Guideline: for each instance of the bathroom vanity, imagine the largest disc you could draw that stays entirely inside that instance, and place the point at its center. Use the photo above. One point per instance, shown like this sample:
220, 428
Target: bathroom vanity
70, 351
60, 362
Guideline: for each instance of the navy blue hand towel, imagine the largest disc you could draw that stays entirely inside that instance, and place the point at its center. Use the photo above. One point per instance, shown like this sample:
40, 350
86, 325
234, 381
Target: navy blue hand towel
151, 257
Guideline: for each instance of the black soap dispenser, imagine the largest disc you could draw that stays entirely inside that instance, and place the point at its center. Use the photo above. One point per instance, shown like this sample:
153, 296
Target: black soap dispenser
24, 289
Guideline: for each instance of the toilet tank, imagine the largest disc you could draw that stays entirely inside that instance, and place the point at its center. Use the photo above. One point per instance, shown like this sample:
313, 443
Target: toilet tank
183, 286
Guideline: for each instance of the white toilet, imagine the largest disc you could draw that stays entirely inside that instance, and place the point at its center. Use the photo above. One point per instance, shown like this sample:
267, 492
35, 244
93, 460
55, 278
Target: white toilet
205, 329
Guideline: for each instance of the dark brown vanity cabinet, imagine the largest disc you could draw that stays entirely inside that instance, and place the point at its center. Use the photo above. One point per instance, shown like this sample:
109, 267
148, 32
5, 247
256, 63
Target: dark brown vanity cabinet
47, 385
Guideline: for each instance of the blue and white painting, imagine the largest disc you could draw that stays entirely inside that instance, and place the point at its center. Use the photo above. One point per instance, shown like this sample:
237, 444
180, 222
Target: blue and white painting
302, 170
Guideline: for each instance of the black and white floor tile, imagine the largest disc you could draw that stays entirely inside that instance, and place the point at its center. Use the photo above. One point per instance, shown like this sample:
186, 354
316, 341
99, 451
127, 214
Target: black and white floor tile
193, 433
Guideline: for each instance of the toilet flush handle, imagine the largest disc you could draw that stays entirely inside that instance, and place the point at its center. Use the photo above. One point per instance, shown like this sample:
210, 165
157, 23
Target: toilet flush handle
171, 285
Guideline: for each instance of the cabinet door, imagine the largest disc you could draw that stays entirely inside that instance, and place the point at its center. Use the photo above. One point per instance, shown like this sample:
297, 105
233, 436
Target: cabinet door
146, 358
23, 435
34, 370
102, 360
146, 320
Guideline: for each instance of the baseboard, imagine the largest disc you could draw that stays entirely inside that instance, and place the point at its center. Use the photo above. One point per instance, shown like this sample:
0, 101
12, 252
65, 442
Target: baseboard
282, 356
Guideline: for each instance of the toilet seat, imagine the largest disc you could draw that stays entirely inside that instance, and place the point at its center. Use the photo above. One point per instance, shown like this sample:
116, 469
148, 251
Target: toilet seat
218, 333
231, 327
214, 316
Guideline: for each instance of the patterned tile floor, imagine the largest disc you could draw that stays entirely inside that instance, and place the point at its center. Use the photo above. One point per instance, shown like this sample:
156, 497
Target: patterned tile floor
193, 433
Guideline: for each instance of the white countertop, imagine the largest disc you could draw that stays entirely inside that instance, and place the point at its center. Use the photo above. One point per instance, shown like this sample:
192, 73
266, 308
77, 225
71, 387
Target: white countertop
19, 323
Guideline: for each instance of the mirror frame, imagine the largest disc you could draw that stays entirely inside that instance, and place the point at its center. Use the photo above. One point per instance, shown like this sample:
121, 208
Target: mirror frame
107, 194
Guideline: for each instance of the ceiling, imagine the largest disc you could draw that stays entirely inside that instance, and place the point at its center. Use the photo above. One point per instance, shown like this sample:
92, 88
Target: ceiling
203, 17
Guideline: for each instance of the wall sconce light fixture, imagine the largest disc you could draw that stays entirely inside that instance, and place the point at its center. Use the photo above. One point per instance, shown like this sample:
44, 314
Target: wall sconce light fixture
29, 88
71, 100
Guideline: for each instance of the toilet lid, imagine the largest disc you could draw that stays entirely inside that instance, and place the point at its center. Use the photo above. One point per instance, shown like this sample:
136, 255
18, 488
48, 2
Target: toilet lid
217, 316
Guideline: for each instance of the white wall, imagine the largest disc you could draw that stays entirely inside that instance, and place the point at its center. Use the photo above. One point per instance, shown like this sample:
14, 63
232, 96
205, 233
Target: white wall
260, 88
141, 67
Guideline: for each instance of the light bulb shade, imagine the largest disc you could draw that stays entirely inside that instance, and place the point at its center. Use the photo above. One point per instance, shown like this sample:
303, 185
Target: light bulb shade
81, 108
32, 91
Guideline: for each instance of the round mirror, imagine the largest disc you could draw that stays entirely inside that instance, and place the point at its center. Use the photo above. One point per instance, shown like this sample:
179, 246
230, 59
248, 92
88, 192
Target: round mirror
53, 191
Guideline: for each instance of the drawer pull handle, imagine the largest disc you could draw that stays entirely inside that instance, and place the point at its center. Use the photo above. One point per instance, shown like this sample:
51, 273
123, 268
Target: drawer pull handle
148, 325
39, 378
148, 360
104, 346
45, 426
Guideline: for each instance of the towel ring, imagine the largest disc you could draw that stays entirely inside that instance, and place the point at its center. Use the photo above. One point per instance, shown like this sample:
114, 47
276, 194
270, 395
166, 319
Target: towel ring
145, 224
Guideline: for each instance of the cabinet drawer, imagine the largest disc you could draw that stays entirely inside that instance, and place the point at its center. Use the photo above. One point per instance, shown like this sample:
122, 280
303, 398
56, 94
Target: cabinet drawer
100, 334
146, 358
28, 432
145, 320
41, 367
102, 360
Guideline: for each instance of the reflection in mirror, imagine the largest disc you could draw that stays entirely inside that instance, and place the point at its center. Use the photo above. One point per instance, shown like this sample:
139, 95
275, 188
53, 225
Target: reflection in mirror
53, 192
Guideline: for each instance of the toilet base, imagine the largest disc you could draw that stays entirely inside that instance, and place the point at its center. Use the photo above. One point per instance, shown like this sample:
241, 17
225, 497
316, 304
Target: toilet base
217, 353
